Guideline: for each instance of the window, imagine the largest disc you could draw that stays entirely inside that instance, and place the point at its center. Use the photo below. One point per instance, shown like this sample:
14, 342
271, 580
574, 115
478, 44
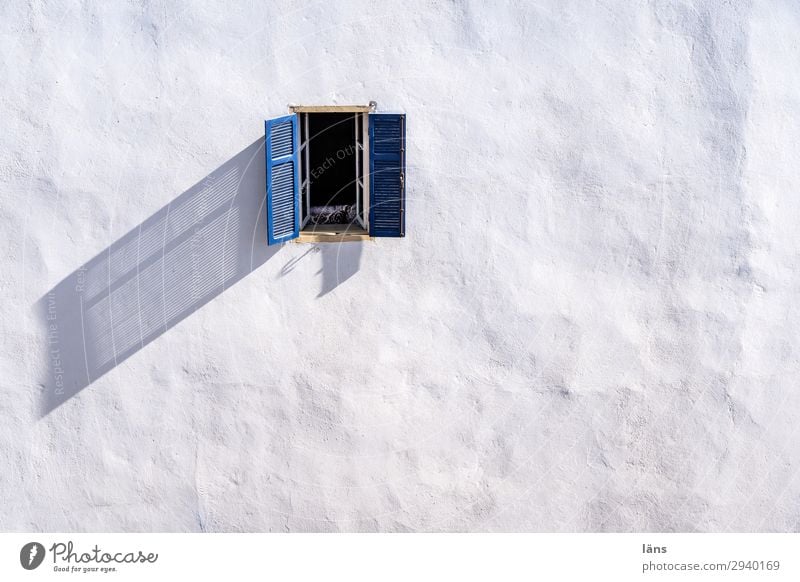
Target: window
335, 173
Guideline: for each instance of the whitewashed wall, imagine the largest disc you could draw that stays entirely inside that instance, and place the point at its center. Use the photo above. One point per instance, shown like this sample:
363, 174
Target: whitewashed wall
591, 324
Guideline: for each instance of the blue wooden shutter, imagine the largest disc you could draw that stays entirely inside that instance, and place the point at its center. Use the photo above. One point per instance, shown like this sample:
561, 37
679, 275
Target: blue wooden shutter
283, 179
387, 160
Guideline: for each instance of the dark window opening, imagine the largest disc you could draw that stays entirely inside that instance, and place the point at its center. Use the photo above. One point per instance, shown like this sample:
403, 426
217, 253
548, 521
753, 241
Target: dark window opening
330, 165
332, 159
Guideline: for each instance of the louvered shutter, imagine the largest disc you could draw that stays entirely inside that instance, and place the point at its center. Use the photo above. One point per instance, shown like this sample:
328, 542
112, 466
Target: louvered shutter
283, 179
387, 158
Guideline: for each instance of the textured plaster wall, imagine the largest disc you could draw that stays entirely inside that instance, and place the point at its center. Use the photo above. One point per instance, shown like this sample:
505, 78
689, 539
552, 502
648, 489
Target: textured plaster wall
592, 324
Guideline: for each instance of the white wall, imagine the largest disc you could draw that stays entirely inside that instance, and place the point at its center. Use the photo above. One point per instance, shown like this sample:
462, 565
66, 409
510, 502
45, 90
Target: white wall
591, 324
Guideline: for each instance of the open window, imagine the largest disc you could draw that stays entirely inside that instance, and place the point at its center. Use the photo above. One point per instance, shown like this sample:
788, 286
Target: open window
335, 173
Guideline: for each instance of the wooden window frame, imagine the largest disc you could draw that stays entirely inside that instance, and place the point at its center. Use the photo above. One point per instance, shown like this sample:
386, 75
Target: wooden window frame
322, 234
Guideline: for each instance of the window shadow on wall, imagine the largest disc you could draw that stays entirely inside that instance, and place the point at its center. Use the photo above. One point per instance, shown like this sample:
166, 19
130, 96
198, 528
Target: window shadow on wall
339, 263
156, 275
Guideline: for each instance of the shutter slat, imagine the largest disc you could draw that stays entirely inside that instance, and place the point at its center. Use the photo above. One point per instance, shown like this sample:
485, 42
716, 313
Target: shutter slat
283, 219
387, 169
